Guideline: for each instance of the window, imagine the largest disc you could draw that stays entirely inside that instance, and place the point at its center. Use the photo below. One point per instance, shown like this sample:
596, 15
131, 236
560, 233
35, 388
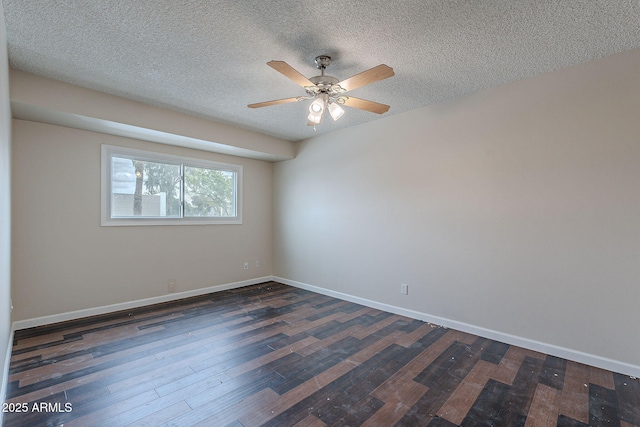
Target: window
145, 188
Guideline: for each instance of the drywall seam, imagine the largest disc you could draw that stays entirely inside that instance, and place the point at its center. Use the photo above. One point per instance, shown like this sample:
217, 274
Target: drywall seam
78, 314
551, 349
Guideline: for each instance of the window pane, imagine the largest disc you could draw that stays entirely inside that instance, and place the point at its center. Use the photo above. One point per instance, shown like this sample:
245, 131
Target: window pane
141, 188
209, 192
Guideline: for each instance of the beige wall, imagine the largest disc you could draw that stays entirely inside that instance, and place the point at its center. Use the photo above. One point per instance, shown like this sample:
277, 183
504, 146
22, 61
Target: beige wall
516, 210
5, 204
64, 261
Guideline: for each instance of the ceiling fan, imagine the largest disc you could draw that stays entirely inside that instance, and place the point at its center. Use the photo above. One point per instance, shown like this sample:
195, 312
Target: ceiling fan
327, 92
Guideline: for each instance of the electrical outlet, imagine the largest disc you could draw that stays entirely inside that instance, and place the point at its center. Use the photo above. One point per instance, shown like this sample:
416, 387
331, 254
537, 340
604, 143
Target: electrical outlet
404, 289
257, 264
171, 286
246, 265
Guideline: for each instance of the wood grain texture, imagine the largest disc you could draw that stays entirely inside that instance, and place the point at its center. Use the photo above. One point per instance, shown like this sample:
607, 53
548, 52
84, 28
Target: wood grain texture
274, 355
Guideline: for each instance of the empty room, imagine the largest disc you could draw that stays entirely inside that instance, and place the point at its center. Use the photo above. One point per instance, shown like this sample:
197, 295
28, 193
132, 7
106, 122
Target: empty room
320, 213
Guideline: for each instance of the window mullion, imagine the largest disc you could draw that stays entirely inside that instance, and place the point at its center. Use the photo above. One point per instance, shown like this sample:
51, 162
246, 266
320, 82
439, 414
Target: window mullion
182, 192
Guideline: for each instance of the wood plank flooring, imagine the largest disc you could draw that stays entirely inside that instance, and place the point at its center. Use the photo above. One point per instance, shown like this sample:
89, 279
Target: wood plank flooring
274, 355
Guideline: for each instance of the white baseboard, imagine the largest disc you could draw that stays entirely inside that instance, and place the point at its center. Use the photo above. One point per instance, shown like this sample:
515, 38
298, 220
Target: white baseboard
78, 314
554, 350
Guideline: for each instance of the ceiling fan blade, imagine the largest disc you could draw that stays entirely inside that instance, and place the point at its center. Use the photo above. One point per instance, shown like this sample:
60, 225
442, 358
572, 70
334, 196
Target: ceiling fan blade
274, 102
363, 104
372, 75
290, 72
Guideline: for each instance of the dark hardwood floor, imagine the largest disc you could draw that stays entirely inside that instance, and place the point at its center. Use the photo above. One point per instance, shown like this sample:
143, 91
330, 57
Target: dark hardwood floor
273, 355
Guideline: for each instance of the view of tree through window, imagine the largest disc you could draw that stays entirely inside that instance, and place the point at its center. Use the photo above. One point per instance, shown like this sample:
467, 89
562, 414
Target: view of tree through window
154, 188
208, 192
160, 180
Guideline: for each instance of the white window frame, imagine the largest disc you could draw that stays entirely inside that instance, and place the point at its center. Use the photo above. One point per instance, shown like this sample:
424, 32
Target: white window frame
110, 151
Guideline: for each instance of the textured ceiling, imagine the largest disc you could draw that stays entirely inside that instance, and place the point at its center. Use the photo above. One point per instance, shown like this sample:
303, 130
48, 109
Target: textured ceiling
208, 58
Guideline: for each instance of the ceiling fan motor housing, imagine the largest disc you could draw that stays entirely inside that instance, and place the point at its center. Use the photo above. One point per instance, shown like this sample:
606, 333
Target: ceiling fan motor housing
323, 84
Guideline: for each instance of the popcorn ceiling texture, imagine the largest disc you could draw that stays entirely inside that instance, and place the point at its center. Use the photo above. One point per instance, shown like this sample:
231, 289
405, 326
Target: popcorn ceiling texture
208, 58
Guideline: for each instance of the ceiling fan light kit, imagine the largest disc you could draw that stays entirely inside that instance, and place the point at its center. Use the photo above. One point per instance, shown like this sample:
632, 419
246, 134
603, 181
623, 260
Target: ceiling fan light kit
313, 119
327, 92
335, 110
317, 106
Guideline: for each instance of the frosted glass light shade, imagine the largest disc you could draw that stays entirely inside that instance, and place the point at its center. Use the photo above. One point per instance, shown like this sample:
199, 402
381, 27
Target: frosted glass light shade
317, 106
336, 111
314, 118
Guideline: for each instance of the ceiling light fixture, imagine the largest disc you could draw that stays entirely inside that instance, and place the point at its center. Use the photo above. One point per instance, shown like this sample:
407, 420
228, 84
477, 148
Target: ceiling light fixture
335, 110
327, 92
317, 106
314, 119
